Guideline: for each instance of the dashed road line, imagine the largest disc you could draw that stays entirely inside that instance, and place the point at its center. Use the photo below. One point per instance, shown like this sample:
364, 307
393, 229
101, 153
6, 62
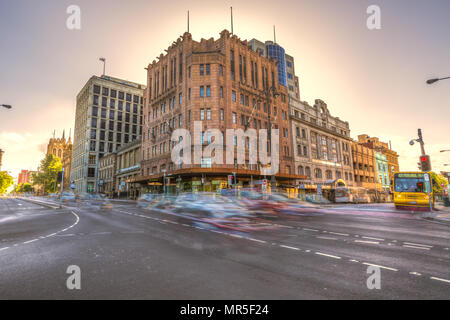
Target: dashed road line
372, 238
382, 267
339, 234
368, 242
327, 255
417, 244
440, 279
326, 238
415, 247
289, 247
47, 236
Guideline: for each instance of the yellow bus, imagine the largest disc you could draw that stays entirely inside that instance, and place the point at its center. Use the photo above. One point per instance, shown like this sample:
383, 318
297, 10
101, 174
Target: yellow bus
413, 190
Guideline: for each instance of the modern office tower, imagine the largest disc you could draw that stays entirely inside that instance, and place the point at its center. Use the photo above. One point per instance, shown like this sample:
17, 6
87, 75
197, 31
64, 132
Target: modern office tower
108, 115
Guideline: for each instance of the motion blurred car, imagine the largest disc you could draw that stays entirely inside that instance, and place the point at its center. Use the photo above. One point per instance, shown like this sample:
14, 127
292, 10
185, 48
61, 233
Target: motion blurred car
94, 201
147, 200
67, 196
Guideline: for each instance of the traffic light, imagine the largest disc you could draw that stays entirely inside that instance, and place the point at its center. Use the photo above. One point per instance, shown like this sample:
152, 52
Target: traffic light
425, 163
59, 179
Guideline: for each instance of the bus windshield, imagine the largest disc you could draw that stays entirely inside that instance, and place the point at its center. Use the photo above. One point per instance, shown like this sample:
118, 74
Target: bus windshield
410, 183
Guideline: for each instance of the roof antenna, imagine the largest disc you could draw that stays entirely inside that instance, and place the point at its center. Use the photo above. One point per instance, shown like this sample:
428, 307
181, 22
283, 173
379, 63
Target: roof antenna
231, 20
188, 21
104, 64
274, 35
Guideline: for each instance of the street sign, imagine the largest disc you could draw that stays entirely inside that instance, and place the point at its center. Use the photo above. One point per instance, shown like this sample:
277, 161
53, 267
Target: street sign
72, 186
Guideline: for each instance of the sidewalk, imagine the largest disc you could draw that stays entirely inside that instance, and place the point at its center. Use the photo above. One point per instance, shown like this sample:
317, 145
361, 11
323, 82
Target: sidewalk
441, 214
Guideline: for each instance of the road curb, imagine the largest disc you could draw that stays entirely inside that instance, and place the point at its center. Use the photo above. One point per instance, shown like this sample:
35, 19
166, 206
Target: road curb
41, 203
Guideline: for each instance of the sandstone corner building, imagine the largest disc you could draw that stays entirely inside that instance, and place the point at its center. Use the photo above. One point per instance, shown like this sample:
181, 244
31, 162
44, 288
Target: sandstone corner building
226, 85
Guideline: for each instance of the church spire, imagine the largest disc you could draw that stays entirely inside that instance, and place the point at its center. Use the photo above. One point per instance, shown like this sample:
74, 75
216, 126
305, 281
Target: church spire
64, 134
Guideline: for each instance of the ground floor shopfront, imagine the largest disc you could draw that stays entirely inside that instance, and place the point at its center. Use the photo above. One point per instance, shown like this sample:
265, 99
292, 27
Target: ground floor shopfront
212, 180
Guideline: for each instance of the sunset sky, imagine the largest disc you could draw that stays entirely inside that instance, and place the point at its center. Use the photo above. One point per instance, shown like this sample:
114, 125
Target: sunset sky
375, 80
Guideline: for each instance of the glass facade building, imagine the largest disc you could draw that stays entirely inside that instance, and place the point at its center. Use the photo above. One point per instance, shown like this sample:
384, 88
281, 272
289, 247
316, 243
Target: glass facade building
276, 52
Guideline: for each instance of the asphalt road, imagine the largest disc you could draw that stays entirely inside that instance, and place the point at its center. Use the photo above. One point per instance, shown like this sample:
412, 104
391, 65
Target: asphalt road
131, 253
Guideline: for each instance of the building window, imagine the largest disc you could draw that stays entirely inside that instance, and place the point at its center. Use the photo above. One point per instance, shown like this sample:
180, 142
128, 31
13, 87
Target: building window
221, 114
233, 96
308, 172
318, 173
234, 117
208, 69
221, 92
206, 163
202, 69
202, 114
202, 92
208, 91
208, 114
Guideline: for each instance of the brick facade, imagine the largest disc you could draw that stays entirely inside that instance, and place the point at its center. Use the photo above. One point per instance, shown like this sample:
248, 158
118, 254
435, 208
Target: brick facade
173, 99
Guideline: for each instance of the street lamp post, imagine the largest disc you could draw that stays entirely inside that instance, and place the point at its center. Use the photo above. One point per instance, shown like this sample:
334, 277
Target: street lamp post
431, 81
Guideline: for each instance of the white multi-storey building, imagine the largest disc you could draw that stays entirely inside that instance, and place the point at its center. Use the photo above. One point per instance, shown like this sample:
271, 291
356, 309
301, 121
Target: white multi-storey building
108, 115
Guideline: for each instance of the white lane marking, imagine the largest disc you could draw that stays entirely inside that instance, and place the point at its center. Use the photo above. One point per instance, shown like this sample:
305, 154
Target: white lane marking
326, 238
30, 241
440, 279
415, 247
257, 240
417, 244
372, 238
353, 260
339, 234
327, 255
365, 241
415, 273
234, 235
376, 265
288, 247
4, 248
50, 235
307, 229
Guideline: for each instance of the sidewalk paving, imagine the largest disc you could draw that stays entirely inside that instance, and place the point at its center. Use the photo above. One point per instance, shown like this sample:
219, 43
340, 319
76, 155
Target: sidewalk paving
442, 214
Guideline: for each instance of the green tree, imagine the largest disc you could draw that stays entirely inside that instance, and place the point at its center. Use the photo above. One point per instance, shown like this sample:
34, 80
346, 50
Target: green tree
48, 173
438, 181
24, 188
5, 181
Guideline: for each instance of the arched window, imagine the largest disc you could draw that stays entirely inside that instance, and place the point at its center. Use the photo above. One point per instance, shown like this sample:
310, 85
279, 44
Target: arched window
318, 173
308, 172
329, 174
54, 152
300, 170
59, 153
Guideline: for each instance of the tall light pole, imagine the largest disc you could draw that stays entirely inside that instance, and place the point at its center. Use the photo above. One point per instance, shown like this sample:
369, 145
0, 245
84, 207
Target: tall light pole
431, 81
7, 106
420, 140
